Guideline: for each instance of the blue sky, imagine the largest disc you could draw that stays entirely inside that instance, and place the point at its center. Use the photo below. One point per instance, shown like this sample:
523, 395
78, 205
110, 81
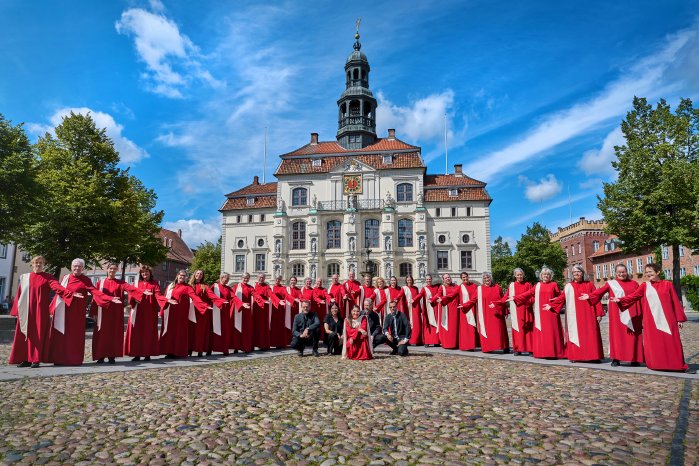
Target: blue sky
533, 91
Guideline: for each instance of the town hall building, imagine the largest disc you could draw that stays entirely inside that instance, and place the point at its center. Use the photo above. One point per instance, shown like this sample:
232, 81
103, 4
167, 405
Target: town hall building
359, 203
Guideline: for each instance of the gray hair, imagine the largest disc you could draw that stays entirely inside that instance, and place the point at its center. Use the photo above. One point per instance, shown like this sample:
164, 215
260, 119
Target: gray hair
546, 270
518, 269
487, 274
79, 261
579, 268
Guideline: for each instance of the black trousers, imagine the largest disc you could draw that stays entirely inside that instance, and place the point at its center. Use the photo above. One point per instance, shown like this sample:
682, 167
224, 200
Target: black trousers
333, 341
299, 343
381, 339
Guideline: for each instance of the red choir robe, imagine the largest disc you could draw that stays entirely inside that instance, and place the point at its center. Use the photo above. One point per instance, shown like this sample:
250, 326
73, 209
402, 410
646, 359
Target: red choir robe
448, 315
367, 292
492, 328
108, 332
200, 323
584, 338
264, 301
430, 315
223, 301
386, 295
661, 310
413, 303
141, 338
282, 318
625, 332
353, 290
293, 303
67, 336
242, 334
521, 317
468, 322
322, 302
360, 346
174, 333
548, 331
307, 294
31, 307
339, 294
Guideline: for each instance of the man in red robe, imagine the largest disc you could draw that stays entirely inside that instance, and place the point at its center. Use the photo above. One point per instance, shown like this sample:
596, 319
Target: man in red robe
430, 318
353, 289
280, 325
242, 334
322, 300
468, 327
448, 298
338, 295
265, 300
367, 290
307, 294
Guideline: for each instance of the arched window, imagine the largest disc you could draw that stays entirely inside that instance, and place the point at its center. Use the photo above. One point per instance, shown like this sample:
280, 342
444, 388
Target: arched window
356, 73
404, 192
299, 196
405, 269
371, 233
298, 270
405, 233
334, 238
333, 268
298, 235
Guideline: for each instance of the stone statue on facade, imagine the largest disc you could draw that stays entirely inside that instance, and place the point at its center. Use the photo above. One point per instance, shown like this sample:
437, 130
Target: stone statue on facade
389, 199
313, 272
278, 247
280, 205
277, 270
314, 245
314, 202
352, 244
421, 268
421, 243
387, 243
389, 270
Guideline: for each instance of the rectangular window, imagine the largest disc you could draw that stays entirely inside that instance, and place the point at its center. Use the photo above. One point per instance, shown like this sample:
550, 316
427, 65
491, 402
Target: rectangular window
250, 201
595, 246
405, 233
668, 274
666, 253
629, 266
249, 218
3, 252
371, 233
566, 252
466, 260
298, 270
131, 279
579, 248
438, 212
649, 260
165, 265
599, 272
388, 160
260, 262
683, 273
3, 284
572, 250
317, 162
604, 270
238, 219
262, 217
405, 269
442, 260
453, 211
681, 251
639, 265
453, 192
239, 263
468, 211
696, 270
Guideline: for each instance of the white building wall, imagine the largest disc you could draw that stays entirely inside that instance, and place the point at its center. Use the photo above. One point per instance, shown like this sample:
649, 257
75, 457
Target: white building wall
7, 253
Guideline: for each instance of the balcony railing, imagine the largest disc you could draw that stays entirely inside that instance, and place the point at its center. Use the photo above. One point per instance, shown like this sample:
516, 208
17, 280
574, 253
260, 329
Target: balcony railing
357, 121
359, 204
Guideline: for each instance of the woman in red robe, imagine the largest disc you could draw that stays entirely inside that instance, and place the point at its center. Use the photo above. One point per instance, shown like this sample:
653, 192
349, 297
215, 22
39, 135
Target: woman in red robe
31, 307
413, 303
200, 323
68, 330
663, 316
492, 327
449, 298
280, 326
357, 340
176, 312
353, 290
367, 291
141, 339
242, 334
468, 325
548, 331
625, 332
337, 294
521, 316
430, 313
223, 300
582, 318
108, 332
264, 301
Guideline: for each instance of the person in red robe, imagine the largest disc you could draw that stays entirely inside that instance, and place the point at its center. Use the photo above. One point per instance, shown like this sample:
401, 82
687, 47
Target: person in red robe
367, 290
141, 340
30, 346
521, 316
448, 298
338, 295
548, 331
176, 314
67, 336
663, 318
413, 304
382, 297
223, 301
322, 303
582, 318
357, 339
293, 303
468, 326
397, 295
242, 334
625, 332
492, 328
430, 316
354, 291
307, 294
108, 332
264, 301
200, 323
280, 325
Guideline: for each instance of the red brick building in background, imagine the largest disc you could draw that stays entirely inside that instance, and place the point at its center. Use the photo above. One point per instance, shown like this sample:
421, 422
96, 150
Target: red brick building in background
611, 254
579, 241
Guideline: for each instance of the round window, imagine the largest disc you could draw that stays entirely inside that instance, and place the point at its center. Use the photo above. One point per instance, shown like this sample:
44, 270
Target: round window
260, 243
442, 239
241, 243
465, 239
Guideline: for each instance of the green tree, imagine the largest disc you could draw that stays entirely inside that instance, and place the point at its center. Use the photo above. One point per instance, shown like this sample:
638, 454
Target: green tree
655, 199
19, 191
502, 261
535, 249
207, 257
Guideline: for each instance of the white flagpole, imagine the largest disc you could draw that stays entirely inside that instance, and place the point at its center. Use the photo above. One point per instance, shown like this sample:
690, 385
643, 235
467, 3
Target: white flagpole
446, 147
264, 163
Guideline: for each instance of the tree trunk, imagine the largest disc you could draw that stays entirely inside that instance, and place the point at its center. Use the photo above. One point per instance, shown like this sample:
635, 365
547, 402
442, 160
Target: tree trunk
123, 270
676, 269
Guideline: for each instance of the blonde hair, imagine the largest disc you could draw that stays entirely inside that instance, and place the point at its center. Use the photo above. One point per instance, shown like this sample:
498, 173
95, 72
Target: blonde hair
36, 258
380, 280
174, 282
192, 280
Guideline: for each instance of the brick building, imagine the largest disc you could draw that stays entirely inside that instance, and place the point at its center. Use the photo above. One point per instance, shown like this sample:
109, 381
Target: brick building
581, 240
611, 254
689, 263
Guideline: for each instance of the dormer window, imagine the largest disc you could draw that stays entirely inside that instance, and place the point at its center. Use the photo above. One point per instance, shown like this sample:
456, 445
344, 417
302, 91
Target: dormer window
250, 201
317, 162
388, 159
453, 192
169, 243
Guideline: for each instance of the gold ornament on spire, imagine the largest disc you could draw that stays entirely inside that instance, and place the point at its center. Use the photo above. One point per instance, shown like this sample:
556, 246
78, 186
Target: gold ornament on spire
356, 25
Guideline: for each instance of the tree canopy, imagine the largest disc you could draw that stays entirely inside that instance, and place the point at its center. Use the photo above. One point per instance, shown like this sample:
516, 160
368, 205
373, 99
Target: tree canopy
207, 257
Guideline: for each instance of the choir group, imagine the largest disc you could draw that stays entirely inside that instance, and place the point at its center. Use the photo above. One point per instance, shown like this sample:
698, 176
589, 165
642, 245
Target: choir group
352, 318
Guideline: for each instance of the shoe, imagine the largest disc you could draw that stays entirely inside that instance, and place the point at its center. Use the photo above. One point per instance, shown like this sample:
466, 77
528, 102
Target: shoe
190, 354
517, 353
316, 354
199, 354
36, 364
635, 364
506, 351
100, 361
112, 361
615, 363
300, 353
394, 352
136, 359
688, 371
235, 351
147, 358
24, 364
208, 353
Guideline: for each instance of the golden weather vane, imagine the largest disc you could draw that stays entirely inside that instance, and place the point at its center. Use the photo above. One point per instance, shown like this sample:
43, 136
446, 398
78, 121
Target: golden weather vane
356, 25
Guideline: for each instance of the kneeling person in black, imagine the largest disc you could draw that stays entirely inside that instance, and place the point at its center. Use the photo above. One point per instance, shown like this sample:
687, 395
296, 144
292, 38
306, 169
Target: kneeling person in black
333, 330
396, 329
374, 321
306, 329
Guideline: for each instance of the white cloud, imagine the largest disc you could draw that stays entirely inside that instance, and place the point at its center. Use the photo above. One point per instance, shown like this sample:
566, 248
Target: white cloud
599, 162
592, 183
546, 208
172, 59
129, 152
545, 189
645, 78
195, 231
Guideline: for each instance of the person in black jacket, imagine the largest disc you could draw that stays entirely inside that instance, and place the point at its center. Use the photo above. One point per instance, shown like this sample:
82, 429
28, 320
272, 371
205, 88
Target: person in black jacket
396, 329
306, 329
334, 325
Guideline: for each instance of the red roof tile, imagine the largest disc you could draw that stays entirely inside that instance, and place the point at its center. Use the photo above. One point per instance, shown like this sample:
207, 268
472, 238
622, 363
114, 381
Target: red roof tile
179, 251
241, 203
450, 180
464, 194
266, 188
295, 166
332, 147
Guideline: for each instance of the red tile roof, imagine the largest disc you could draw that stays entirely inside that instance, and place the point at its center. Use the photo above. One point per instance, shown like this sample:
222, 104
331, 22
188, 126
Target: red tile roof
464, 194
179, 251
241, 203
450, 180
255, 188
332, 147
295, 166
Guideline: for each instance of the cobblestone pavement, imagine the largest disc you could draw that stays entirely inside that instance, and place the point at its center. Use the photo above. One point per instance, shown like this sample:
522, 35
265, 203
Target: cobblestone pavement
425, 409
